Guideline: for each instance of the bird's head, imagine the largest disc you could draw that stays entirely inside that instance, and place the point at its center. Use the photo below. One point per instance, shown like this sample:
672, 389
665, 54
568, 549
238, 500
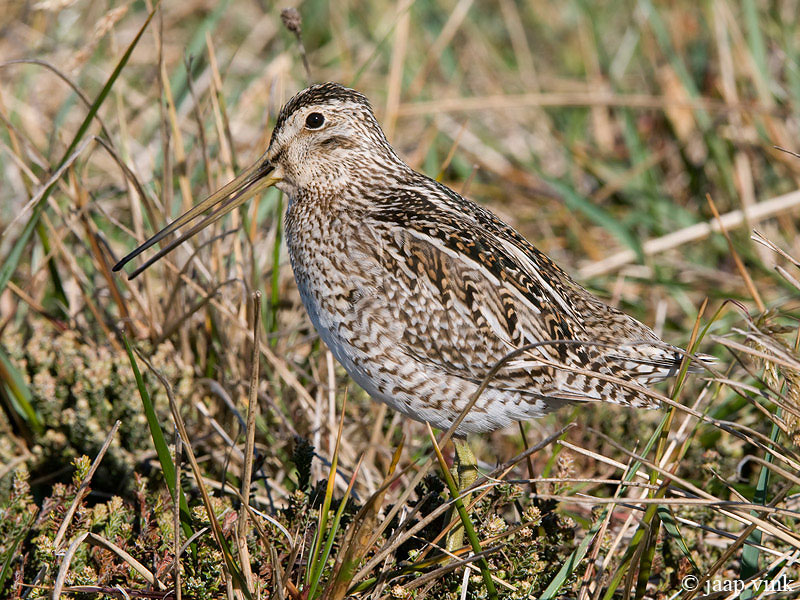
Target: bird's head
324, 137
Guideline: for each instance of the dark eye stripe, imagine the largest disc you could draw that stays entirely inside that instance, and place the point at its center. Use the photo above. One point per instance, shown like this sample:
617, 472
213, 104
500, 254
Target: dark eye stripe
337, 141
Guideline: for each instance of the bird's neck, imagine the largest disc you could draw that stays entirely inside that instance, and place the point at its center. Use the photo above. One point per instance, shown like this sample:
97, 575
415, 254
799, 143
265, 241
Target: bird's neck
353, 186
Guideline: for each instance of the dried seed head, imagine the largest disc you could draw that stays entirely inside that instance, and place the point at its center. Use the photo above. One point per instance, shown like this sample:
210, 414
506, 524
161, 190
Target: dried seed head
292, 20
565, 465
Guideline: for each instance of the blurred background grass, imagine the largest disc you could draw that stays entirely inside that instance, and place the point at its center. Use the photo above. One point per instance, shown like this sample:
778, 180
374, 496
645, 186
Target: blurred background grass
603, 131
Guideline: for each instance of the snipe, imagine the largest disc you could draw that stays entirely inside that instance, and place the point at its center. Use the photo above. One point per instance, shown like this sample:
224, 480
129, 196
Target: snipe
419, 292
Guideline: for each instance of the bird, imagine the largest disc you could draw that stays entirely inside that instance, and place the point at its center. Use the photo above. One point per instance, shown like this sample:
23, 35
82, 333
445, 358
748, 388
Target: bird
420, 293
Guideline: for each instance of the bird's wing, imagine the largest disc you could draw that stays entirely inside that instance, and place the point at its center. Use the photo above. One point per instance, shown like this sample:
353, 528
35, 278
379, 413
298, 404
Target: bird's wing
628, 345
512, 280
464, 319
486, 291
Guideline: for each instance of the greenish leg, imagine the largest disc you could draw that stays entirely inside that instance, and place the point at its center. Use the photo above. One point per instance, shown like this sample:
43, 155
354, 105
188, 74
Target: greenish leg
465, 472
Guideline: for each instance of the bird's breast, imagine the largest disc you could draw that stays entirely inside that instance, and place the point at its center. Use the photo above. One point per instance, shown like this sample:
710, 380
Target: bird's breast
327, 251
342, 293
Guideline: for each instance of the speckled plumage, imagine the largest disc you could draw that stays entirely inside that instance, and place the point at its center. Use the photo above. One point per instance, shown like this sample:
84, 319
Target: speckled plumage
418, 292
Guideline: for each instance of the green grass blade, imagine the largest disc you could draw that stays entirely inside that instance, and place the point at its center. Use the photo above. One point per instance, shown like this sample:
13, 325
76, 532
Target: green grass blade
12, 554
19, 394
649, 526
577, 555
12, 260
160, 443
647, 555
313, 566
755, 39
671, 527
639, 536
331, 536
650, 514
466, 522
751, 552
569, 566
275, 289
61, 295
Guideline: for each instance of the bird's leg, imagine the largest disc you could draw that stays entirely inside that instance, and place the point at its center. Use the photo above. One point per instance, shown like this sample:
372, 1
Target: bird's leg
465, 472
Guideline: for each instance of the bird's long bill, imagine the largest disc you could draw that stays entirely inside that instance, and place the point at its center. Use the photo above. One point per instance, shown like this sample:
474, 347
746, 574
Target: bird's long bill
253, 180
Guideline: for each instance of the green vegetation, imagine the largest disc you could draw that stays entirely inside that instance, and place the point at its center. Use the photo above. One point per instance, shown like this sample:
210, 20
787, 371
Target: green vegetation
616, 137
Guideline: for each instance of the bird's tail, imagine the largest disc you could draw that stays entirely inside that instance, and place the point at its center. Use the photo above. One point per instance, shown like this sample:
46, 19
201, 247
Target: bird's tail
648, 363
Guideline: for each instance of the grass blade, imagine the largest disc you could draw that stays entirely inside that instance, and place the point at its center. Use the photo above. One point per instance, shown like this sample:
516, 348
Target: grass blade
216, 529
356, 540
750, 552
671, 527
332, 534
18, 393
469, 530
314, 565
569, 566
159, 442
11, 554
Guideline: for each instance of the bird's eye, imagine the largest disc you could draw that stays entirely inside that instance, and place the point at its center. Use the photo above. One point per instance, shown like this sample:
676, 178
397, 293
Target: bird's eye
315, 120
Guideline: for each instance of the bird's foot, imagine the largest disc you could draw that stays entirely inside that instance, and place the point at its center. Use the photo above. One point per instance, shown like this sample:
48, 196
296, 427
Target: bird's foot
464, 472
